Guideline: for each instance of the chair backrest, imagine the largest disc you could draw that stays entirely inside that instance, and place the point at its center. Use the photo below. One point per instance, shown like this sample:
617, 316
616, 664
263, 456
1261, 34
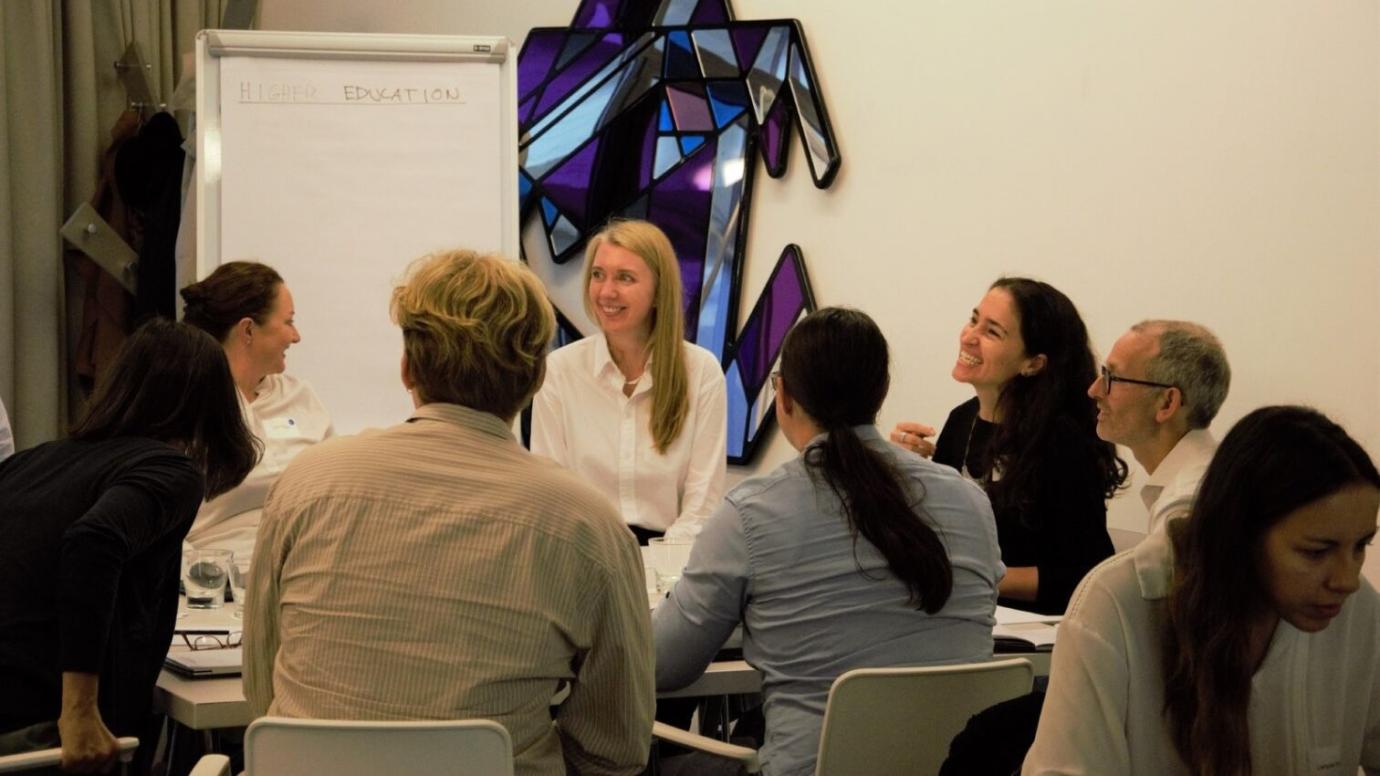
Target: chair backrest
276, 745
884, 721
48, 758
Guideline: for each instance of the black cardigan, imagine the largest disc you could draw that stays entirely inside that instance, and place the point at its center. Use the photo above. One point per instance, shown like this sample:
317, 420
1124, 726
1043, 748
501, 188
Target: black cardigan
89, 565
1063, 529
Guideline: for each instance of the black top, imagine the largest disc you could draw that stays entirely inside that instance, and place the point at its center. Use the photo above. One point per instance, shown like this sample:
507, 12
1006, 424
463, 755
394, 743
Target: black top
89, 565
1062, 530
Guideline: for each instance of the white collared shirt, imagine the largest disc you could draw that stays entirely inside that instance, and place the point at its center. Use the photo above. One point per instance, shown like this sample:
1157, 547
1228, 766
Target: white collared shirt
1170, 491
287, 417
582, 420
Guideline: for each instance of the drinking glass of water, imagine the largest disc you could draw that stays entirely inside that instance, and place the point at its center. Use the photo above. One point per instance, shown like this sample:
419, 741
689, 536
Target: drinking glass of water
239, 575
204, 575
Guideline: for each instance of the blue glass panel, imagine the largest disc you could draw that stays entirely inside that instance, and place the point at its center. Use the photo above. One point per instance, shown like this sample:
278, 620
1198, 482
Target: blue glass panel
768, 71
524, 187
689, 143
563, 235
681, 62
548, 211
715, 50
664, 123
737, 413
728, 100
667, 154
813, 121
721, 248
674, 12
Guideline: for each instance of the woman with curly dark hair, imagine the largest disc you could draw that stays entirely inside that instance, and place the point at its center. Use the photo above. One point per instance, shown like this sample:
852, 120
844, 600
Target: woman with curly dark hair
1030, 438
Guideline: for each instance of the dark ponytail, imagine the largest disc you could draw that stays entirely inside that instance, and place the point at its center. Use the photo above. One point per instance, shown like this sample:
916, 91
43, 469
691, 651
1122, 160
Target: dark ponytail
834, 364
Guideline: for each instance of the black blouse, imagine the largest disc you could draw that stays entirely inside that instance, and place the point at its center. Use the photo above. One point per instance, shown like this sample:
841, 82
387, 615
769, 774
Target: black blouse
89, 565
1062, 528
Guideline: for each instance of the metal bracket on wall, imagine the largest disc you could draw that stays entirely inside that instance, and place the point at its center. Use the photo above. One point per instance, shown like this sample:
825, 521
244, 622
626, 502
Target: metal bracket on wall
93, 236
134, 76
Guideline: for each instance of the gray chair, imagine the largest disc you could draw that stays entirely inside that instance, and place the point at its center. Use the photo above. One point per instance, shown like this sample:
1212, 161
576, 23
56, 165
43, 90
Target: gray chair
277, 746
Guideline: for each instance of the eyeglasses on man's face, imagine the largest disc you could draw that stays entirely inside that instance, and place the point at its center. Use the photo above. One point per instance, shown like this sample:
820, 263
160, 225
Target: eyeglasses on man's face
1108, 378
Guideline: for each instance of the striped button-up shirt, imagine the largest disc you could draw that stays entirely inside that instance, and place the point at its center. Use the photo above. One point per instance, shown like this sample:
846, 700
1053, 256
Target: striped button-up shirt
436, 570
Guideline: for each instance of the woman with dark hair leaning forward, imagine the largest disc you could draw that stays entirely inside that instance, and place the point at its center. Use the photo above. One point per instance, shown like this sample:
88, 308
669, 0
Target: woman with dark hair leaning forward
856, 554
1029, 437
93, 527
1243, 640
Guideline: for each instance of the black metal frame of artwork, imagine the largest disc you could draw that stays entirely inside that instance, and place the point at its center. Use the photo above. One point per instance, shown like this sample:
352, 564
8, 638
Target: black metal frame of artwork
657, 110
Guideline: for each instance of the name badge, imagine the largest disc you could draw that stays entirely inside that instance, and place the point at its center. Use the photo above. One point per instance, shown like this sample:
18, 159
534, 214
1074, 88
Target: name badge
282, 428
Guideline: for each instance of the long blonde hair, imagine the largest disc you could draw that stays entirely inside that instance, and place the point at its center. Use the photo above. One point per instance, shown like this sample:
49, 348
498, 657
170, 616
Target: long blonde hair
670, 391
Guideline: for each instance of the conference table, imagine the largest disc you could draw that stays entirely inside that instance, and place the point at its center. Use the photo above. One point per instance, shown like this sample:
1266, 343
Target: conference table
213, 703
208, 704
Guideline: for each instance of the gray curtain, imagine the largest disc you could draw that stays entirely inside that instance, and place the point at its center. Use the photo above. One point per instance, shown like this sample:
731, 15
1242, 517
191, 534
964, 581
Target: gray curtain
59, 97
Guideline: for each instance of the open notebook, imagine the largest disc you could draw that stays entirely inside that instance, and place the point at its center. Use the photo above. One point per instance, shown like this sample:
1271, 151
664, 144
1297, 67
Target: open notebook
1020, 631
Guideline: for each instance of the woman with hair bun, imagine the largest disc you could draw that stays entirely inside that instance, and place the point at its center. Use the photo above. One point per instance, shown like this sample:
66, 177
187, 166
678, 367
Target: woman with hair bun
248, 309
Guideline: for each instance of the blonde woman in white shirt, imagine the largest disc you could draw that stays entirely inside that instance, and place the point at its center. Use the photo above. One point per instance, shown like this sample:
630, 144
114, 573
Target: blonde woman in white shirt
246, 306
636, 410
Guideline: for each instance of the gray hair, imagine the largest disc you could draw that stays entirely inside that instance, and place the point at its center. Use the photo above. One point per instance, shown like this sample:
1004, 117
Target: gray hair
1191, 359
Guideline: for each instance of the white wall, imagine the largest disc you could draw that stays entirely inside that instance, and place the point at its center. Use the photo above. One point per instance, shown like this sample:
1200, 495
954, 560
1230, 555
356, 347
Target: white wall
1215, 161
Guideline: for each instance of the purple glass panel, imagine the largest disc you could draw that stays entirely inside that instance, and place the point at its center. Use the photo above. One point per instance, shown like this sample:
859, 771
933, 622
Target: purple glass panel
644, 169
525, 111
597, 13
690, 110
748, 40
679, 204
775, 313
581, 69
568, 185
710, 12
774, 135
534, 61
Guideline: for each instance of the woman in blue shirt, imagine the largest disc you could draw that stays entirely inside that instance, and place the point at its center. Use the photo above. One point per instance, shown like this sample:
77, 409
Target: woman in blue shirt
855, 554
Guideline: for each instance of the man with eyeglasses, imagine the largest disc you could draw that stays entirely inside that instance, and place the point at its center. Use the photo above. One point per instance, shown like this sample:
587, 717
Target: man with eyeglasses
1159, 390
